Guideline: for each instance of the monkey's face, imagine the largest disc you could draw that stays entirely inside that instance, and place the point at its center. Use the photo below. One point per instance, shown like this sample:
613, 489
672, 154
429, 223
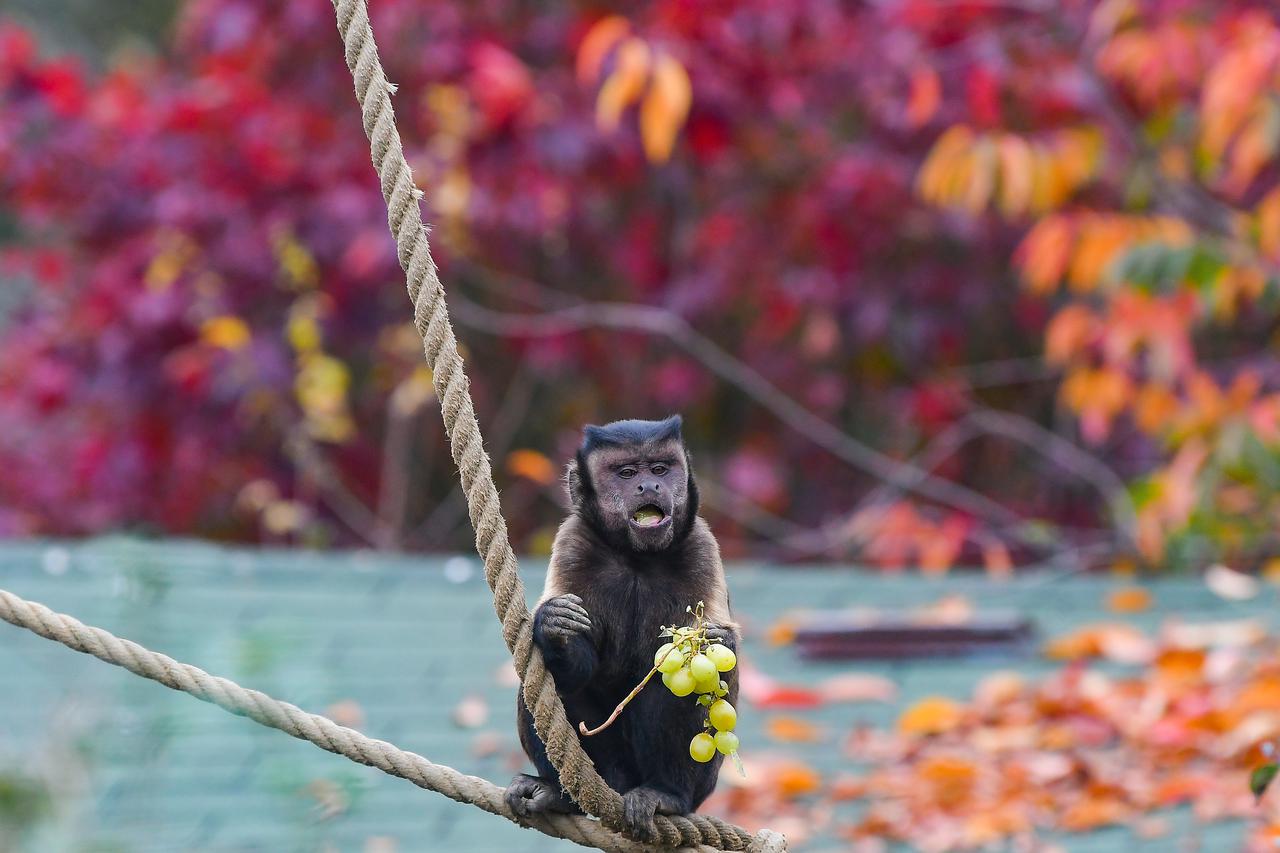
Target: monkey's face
642, 491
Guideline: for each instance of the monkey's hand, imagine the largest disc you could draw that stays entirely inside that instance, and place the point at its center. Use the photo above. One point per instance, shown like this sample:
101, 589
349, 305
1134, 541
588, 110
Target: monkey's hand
724, 634
562, 618
562, 632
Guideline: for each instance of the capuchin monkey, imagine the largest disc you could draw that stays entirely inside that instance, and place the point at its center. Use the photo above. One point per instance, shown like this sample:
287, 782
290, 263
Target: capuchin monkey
628, 560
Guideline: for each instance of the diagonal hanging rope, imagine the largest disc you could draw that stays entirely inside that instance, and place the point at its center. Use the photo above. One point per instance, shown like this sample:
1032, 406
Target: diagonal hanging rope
693, 832
292, 720
577, 774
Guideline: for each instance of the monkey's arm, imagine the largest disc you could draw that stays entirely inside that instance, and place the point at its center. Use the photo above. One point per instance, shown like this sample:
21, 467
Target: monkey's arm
563, 633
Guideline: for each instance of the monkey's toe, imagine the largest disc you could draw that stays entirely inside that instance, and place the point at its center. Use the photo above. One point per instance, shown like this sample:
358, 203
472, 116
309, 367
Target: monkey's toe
526, 795
530, 795
638, 809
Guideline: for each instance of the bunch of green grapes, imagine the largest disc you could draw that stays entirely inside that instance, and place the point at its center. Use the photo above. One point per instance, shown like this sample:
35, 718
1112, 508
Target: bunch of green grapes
692, 664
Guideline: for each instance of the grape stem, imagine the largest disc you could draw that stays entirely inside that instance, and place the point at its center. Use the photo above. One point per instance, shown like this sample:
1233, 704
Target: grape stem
582, 726
586, 732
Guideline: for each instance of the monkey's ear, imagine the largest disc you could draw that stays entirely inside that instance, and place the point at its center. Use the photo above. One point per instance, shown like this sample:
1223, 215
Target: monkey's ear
670, 429
591, 436
573, 482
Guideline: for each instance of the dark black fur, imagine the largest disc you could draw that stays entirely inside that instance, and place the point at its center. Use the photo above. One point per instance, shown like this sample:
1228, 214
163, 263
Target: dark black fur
597, 628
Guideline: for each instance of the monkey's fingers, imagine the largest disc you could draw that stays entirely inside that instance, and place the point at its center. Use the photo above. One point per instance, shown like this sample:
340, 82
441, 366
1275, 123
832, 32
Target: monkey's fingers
568, 603
568, 623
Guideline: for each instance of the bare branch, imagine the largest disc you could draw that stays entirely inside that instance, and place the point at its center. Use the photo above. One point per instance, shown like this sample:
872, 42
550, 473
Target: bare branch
310, 461
659, 321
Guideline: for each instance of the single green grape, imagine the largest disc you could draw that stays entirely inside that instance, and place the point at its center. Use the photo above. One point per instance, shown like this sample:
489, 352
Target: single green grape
706, 699
722, 690
707, 685
668, 658
726, 742
722, 656
723, 716
702, 668
702, 748
680, 682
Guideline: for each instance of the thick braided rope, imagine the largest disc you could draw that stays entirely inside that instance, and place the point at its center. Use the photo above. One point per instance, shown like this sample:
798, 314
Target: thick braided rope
431, 318
321, 731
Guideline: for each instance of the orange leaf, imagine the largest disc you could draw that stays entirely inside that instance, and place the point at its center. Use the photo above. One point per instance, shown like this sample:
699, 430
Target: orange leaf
925, 96
951, 780
792, 730
996, 559
664, 109
795, 779
596, 44
532, 465
624, 85
1154, 408
1069, 332
931, 716
1129, 599
847, 787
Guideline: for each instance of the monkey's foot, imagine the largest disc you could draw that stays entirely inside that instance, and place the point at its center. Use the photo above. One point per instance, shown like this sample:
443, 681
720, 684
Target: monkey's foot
639, 805
531, 795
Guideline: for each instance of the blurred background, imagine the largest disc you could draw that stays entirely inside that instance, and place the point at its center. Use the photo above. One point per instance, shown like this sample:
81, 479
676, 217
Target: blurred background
941, 287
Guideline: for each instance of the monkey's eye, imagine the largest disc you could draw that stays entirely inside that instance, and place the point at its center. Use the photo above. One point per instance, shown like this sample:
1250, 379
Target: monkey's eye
627, 473
659, 469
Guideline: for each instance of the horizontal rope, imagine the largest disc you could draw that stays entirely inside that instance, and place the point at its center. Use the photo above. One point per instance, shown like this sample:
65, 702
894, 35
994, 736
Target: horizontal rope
313, 728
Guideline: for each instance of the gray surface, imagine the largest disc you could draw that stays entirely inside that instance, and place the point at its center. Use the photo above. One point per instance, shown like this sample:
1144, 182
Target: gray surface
141, 768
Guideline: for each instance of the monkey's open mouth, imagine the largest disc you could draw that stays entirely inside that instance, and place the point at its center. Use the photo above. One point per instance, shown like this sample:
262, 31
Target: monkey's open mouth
648, 516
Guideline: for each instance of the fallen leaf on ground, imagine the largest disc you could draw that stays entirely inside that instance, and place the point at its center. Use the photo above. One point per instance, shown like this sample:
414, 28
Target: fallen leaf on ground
934, 715
1129, 599
792, 730
1227, 583
471, 712
857, 687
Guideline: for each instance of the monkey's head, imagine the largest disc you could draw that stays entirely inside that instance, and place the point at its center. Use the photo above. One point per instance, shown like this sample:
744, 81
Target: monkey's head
633, 484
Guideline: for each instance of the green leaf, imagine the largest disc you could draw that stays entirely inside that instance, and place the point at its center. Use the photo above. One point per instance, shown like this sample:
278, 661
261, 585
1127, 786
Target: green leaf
1262, 777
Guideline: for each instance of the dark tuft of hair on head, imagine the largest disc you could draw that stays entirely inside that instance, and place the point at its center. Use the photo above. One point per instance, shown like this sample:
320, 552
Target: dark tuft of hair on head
629, 432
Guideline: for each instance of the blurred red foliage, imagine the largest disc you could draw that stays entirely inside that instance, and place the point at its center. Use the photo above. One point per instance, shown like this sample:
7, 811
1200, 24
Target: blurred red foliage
206, 279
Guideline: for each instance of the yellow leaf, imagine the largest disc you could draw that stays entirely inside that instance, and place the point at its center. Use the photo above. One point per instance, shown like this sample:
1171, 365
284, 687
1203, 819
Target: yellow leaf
532, 465
624, 85
665, 107
1017, 174
932, 716
296, 262
1269, 223
414, 392
603, 36
982, 179
226, 332
321, 388
941, 163
283, 517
